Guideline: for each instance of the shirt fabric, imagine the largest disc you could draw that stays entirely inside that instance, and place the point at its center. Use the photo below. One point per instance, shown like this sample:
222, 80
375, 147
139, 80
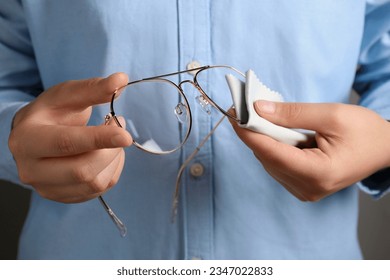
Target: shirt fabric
307, 50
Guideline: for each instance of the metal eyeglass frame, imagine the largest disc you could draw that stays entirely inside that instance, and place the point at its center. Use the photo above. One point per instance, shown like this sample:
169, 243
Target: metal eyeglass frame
119, 224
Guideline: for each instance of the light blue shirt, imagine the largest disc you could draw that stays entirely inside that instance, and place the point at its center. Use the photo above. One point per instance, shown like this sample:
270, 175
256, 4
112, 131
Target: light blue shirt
307, 50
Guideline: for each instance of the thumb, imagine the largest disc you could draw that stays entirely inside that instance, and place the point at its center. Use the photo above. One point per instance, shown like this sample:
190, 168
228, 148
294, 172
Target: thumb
312, 116
81, 94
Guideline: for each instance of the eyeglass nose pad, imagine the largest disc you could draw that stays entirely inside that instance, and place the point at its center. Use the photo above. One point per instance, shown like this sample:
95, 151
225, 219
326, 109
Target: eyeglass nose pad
181, 113
204, 104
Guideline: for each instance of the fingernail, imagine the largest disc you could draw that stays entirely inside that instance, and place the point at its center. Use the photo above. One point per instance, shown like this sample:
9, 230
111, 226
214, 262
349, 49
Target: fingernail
264, 106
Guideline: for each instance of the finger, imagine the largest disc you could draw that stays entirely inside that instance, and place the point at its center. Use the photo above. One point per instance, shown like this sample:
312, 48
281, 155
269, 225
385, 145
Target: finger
59, 141
79, 169
318, 117
286, 184
110, 175
118, 170
80, 94
283, 178
64, 193
261, 145
80, 192
280, 155
102, 182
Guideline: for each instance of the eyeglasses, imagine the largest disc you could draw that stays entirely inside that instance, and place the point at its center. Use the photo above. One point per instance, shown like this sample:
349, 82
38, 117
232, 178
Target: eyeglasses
163, 102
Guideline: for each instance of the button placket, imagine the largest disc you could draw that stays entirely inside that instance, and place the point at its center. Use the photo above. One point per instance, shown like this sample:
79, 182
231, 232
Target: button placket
196, 196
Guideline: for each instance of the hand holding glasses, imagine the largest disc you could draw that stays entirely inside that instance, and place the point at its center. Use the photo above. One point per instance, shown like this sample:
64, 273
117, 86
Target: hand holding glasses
169, 124
166, 107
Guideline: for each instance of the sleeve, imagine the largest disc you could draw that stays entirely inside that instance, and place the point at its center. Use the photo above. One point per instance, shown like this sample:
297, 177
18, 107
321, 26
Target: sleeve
19, 77
372, 80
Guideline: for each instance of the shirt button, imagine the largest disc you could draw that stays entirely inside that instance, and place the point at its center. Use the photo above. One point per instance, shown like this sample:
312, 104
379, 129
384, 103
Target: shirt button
192, 65
197, 170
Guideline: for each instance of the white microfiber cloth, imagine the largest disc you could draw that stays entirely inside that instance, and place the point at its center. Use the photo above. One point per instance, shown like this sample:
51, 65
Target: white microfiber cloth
244, 94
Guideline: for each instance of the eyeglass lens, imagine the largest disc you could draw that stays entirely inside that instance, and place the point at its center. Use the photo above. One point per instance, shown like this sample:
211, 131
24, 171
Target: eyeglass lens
157, 114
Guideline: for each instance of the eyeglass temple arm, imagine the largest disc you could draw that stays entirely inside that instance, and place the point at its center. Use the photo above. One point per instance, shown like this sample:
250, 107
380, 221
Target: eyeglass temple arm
182, 168
179, 72
119, 224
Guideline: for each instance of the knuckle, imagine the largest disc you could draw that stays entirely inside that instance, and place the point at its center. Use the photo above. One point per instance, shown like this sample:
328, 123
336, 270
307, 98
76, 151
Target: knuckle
92, 82
97, 186
25, 177
13, 144
86, 175
65, 144
293, 111
112, 182
26, 172
98, 141
83, 174
115, 178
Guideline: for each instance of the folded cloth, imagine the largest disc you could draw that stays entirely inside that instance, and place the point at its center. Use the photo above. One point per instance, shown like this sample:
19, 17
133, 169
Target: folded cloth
244, 95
